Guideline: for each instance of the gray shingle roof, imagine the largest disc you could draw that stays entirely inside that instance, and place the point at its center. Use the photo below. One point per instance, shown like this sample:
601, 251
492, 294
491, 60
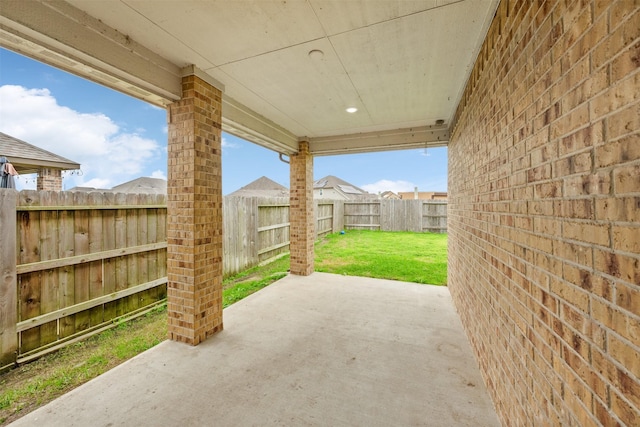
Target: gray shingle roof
27, 158
331, 181
262, 187
143, 185
347, 189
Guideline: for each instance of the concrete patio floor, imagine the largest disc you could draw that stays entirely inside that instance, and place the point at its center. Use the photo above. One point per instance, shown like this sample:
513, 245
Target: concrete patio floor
322, 350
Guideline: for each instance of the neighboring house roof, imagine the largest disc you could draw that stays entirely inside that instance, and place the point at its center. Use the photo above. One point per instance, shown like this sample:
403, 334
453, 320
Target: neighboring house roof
86, 189
143, 185
389, 195
261, 187
27, 158
423, 195
346, 189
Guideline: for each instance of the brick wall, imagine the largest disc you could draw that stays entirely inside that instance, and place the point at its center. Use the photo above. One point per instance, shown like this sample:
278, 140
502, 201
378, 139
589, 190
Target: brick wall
49, 179
544, 212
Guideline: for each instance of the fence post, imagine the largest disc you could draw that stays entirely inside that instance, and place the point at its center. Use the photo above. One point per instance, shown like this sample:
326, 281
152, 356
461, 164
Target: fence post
338, 215
8, 279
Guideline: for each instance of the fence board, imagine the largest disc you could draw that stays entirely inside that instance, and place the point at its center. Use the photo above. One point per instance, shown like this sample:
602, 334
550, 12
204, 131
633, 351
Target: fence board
121, 262
362, 215
109, 264
323, 218
414, 216
162, 255
81, 271
144, 298
69, 262
30, 284
132, 302
48, 250
66, 275
151, 258
96, 314
273, 229
434, 217
8, 279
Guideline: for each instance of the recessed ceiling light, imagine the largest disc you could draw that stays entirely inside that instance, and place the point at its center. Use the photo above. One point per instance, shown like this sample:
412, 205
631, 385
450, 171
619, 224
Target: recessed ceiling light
352, 110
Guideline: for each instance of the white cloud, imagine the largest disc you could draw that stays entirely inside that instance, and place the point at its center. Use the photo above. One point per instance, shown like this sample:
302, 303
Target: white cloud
159, 174
227, 144
98, 183
107, 155
387, 185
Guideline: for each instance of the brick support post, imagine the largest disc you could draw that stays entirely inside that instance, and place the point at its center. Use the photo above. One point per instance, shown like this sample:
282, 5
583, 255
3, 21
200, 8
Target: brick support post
194, 223
302, 226
49, 179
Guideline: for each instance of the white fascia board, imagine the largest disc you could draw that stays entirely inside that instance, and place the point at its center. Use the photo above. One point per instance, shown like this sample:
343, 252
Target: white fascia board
398, 139
61, 35
241, 121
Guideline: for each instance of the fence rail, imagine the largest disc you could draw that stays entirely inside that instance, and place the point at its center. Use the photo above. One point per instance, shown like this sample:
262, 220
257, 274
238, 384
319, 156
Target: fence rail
73, 263
81, 261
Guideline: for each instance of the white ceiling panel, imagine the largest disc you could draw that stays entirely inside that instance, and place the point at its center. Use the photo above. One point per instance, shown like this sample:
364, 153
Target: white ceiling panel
412, 65
224, 31
318, 86
338, 16
402, 63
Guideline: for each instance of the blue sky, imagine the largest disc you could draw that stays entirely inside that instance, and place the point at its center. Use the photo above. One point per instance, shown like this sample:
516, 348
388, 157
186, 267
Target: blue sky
117, 138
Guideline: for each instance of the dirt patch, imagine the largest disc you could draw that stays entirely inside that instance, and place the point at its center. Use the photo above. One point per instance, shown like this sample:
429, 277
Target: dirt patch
245, 279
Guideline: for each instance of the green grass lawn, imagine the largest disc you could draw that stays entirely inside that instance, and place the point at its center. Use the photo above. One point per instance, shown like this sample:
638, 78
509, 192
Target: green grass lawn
410, 257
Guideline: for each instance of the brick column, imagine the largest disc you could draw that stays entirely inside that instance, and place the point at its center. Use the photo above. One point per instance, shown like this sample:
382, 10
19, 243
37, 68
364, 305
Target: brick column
302, 229
49, 179
194, 206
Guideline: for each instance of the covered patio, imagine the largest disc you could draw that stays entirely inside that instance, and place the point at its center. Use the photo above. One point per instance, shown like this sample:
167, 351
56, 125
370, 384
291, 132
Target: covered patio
307, 350
538, 104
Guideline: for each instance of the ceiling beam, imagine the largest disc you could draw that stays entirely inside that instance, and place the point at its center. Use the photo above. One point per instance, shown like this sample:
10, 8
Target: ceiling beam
241, 121
398, 139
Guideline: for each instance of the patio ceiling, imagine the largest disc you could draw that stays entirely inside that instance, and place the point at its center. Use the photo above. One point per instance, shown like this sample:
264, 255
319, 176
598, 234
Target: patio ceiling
288, 69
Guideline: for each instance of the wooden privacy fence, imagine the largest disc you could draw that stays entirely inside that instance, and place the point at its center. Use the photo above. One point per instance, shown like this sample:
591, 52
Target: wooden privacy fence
74, 263
256, 229
396, 215
81, 262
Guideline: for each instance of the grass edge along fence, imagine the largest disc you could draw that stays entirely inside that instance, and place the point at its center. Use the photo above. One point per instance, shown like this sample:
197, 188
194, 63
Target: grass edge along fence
73, 264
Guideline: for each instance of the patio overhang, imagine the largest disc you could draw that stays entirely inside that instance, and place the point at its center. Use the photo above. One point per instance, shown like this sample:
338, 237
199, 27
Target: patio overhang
289, 69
